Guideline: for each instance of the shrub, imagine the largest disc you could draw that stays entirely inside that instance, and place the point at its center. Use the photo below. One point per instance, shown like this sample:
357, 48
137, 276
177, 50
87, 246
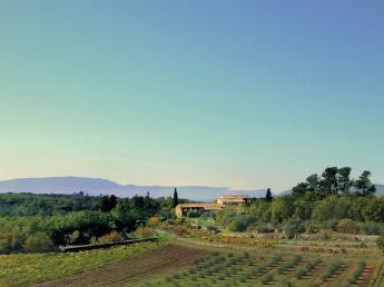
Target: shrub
346, 225
371, 228
38, 242
144, 232
311, 227
330, 224
265, 228
237, 224
307, 268
292, 228
168, 279
356, 275
192, 271
109, 238
324, 234
266, 279
331, 269
192, 214
153, 221
74, 236
380, 242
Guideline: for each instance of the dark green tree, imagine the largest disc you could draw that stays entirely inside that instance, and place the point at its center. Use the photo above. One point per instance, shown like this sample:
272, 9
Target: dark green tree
147, 201
329, 182
313, 182
268, 195
364, 184
107, 203
300, 189
343, 178
175, 198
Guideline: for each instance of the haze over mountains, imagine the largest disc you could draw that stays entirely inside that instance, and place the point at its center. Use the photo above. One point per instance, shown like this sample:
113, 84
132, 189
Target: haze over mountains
97, 186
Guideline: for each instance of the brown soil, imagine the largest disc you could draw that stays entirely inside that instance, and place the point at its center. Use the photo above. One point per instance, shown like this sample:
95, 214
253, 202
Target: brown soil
134, 268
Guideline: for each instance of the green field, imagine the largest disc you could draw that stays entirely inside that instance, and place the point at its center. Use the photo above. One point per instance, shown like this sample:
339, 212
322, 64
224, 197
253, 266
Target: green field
26, 269
185, 263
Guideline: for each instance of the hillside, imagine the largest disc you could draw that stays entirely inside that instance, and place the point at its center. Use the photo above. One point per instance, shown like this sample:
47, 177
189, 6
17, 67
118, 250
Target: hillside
97, 186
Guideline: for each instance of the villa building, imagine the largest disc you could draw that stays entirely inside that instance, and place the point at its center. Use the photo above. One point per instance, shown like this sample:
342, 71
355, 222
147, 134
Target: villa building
222, 202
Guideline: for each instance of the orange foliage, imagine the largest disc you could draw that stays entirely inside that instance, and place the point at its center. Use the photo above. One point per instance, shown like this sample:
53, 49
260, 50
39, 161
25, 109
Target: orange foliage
109, 238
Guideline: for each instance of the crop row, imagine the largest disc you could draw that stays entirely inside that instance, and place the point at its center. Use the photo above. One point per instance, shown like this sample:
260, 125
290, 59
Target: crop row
356, 275
289, 264
331, 269
303, 271
378, 276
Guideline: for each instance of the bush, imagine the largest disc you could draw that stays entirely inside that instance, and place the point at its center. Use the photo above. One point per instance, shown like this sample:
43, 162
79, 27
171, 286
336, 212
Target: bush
380, 242
292, 228
356, 275
38, 242
325, 234
330, 224
371, 228
109, 238
311, 227
346, 225
153, 221
265, 228
266, 279
238, 224
331, 269
192, 214
144, 232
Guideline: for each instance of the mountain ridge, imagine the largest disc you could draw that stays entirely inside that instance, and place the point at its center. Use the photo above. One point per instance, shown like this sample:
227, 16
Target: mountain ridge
101, 186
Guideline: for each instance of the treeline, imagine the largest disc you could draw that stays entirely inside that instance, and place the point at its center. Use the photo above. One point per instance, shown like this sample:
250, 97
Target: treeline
28, 204
335, 181
350, 214
73, 219
333, 201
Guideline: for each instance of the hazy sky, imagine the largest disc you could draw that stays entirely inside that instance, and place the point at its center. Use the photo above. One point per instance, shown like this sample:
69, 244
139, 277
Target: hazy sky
245, 94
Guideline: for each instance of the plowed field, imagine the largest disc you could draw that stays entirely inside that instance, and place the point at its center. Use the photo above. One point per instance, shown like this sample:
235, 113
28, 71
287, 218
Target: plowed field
134, 268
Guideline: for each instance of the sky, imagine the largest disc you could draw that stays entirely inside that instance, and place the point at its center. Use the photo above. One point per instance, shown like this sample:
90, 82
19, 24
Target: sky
244, 94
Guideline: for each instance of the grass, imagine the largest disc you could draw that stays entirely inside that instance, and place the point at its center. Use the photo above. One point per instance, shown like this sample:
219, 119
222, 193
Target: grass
26, 269
184, 265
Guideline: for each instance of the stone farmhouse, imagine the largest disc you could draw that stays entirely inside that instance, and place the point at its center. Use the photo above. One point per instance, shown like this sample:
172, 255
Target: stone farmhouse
222, 202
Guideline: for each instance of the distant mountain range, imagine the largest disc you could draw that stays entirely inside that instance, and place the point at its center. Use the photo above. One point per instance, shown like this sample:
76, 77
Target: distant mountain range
98, 186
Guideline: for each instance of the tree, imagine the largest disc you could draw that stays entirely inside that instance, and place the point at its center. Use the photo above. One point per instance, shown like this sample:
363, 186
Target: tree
343, 177
313, 182
329, 181
268, 195
300, 189
147, 201
175, 198
107, 203
364, 184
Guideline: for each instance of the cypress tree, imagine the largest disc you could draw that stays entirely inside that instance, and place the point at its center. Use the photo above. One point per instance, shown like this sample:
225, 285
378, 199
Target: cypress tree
175, 198
268, 196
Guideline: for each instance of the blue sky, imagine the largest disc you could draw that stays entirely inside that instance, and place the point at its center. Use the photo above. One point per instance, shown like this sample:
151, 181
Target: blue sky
245, 94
